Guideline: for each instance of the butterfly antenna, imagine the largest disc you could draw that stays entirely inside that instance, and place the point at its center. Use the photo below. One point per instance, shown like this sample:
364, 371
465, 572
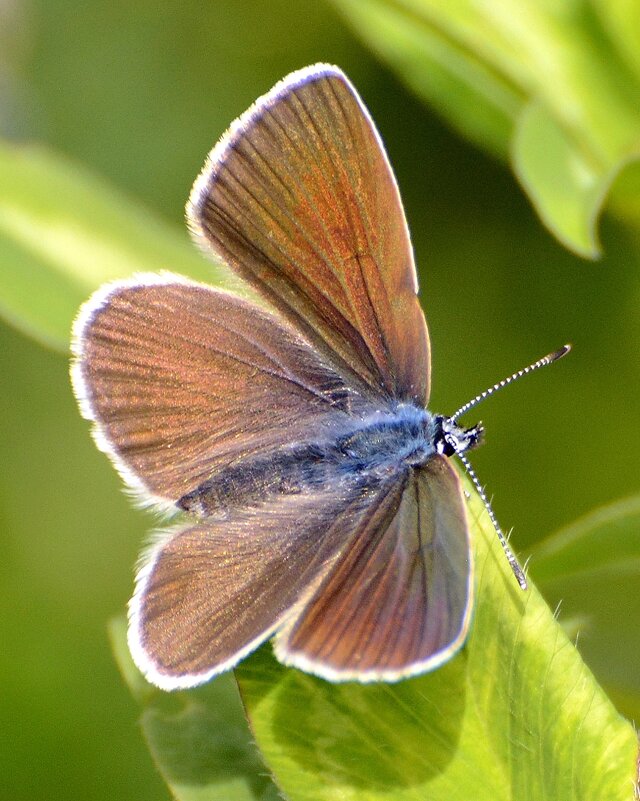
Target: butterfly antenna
550, 358
518, 572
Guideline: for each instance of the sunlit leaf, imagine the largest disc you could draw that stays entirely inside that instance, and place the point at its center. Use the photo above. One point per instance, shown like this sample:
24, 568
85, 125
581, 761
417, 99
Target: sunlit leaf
592, 570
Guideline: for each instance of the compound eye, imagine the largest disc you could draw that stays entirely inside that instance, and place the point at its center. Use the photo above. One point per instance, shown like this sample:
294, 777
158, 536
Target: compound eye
446, 446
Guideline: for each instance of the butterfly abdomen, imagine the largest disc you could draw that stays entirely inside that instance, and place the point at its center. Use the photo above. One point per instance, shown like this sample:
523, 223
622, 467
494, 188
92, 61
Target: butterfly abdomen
367, 451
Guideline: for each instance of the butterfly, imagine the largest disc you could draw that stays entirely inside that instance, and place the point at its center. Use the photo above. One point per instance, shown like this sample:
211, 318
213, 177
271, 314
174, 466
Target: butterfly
291, 429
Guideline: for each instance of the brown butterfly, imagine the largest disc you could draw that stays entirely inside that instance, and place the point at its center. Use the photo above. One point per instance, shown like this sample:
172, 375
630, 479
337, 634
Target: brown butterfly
323, 507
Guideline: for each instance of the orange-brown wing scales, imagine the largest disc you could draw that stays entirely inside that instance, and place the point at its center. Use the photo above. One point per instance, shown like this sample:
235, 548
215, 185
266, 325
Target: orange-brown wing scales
183, 380
212, 592
300, 199
398, 601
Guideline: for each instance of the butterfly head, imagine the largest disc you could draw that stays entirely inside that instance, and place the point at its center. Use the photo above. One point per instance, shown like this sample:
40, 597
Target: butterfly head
450, 438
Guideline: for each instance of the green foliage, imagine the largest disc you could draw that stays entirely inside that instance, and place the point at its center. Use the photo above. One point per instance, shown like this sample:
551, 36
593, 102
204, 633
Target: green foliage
199, 739
592, 569
554, 86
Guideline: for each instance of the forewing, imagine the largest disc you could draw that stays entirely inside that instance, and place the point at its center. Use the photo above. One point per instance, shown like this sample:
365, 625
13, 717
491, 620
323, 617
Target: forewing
211, 593
299, 198
182, 380
398, 601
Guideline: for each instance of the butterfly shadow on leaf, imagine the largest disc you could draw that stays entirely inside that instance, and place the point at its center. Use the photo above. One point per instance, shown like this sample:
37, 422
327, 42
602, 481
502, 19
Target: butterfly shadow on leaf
371, 737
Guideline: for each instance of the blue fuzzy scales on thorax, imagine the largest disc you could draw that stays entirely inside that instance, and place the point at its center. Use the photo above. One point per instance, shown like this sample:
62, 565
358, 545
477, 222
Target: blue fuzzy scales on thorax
385, 441
365, 450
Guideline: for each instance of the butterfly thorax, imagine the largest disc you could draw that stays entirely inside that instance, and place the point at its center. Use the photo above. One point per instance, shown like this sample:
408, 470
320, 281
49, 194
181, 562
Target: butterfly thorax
365, 450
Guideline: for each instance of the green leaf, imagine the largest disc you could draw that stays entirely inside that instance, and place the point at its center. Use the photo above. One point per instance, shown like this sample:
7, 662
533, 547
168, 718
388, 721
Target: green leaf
556, 86
566, 187
606, 540
621, 20
592, 569
440, 67
63, 232
198, 739
516, 714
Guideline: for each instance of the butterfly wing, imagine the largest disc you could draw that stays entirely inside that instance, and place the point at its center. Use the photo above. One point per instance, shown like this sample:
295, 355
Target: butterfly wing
211, 593
299, 198
398, 600
182, 380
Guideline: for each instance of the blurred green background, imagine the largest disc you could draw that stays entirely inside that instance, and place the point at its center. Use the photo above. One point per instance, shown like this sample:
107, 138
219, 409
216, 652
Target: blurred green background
138, 93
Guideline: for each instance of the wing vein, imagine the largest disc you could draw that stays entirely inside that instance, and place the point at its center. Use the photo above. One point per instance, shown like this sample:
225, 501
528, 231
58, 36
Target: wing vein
296, 288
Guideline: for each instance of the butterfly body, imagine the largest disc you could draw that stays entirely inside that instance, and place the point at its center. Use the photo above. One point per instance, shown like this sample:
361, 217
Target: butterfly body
369, 450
